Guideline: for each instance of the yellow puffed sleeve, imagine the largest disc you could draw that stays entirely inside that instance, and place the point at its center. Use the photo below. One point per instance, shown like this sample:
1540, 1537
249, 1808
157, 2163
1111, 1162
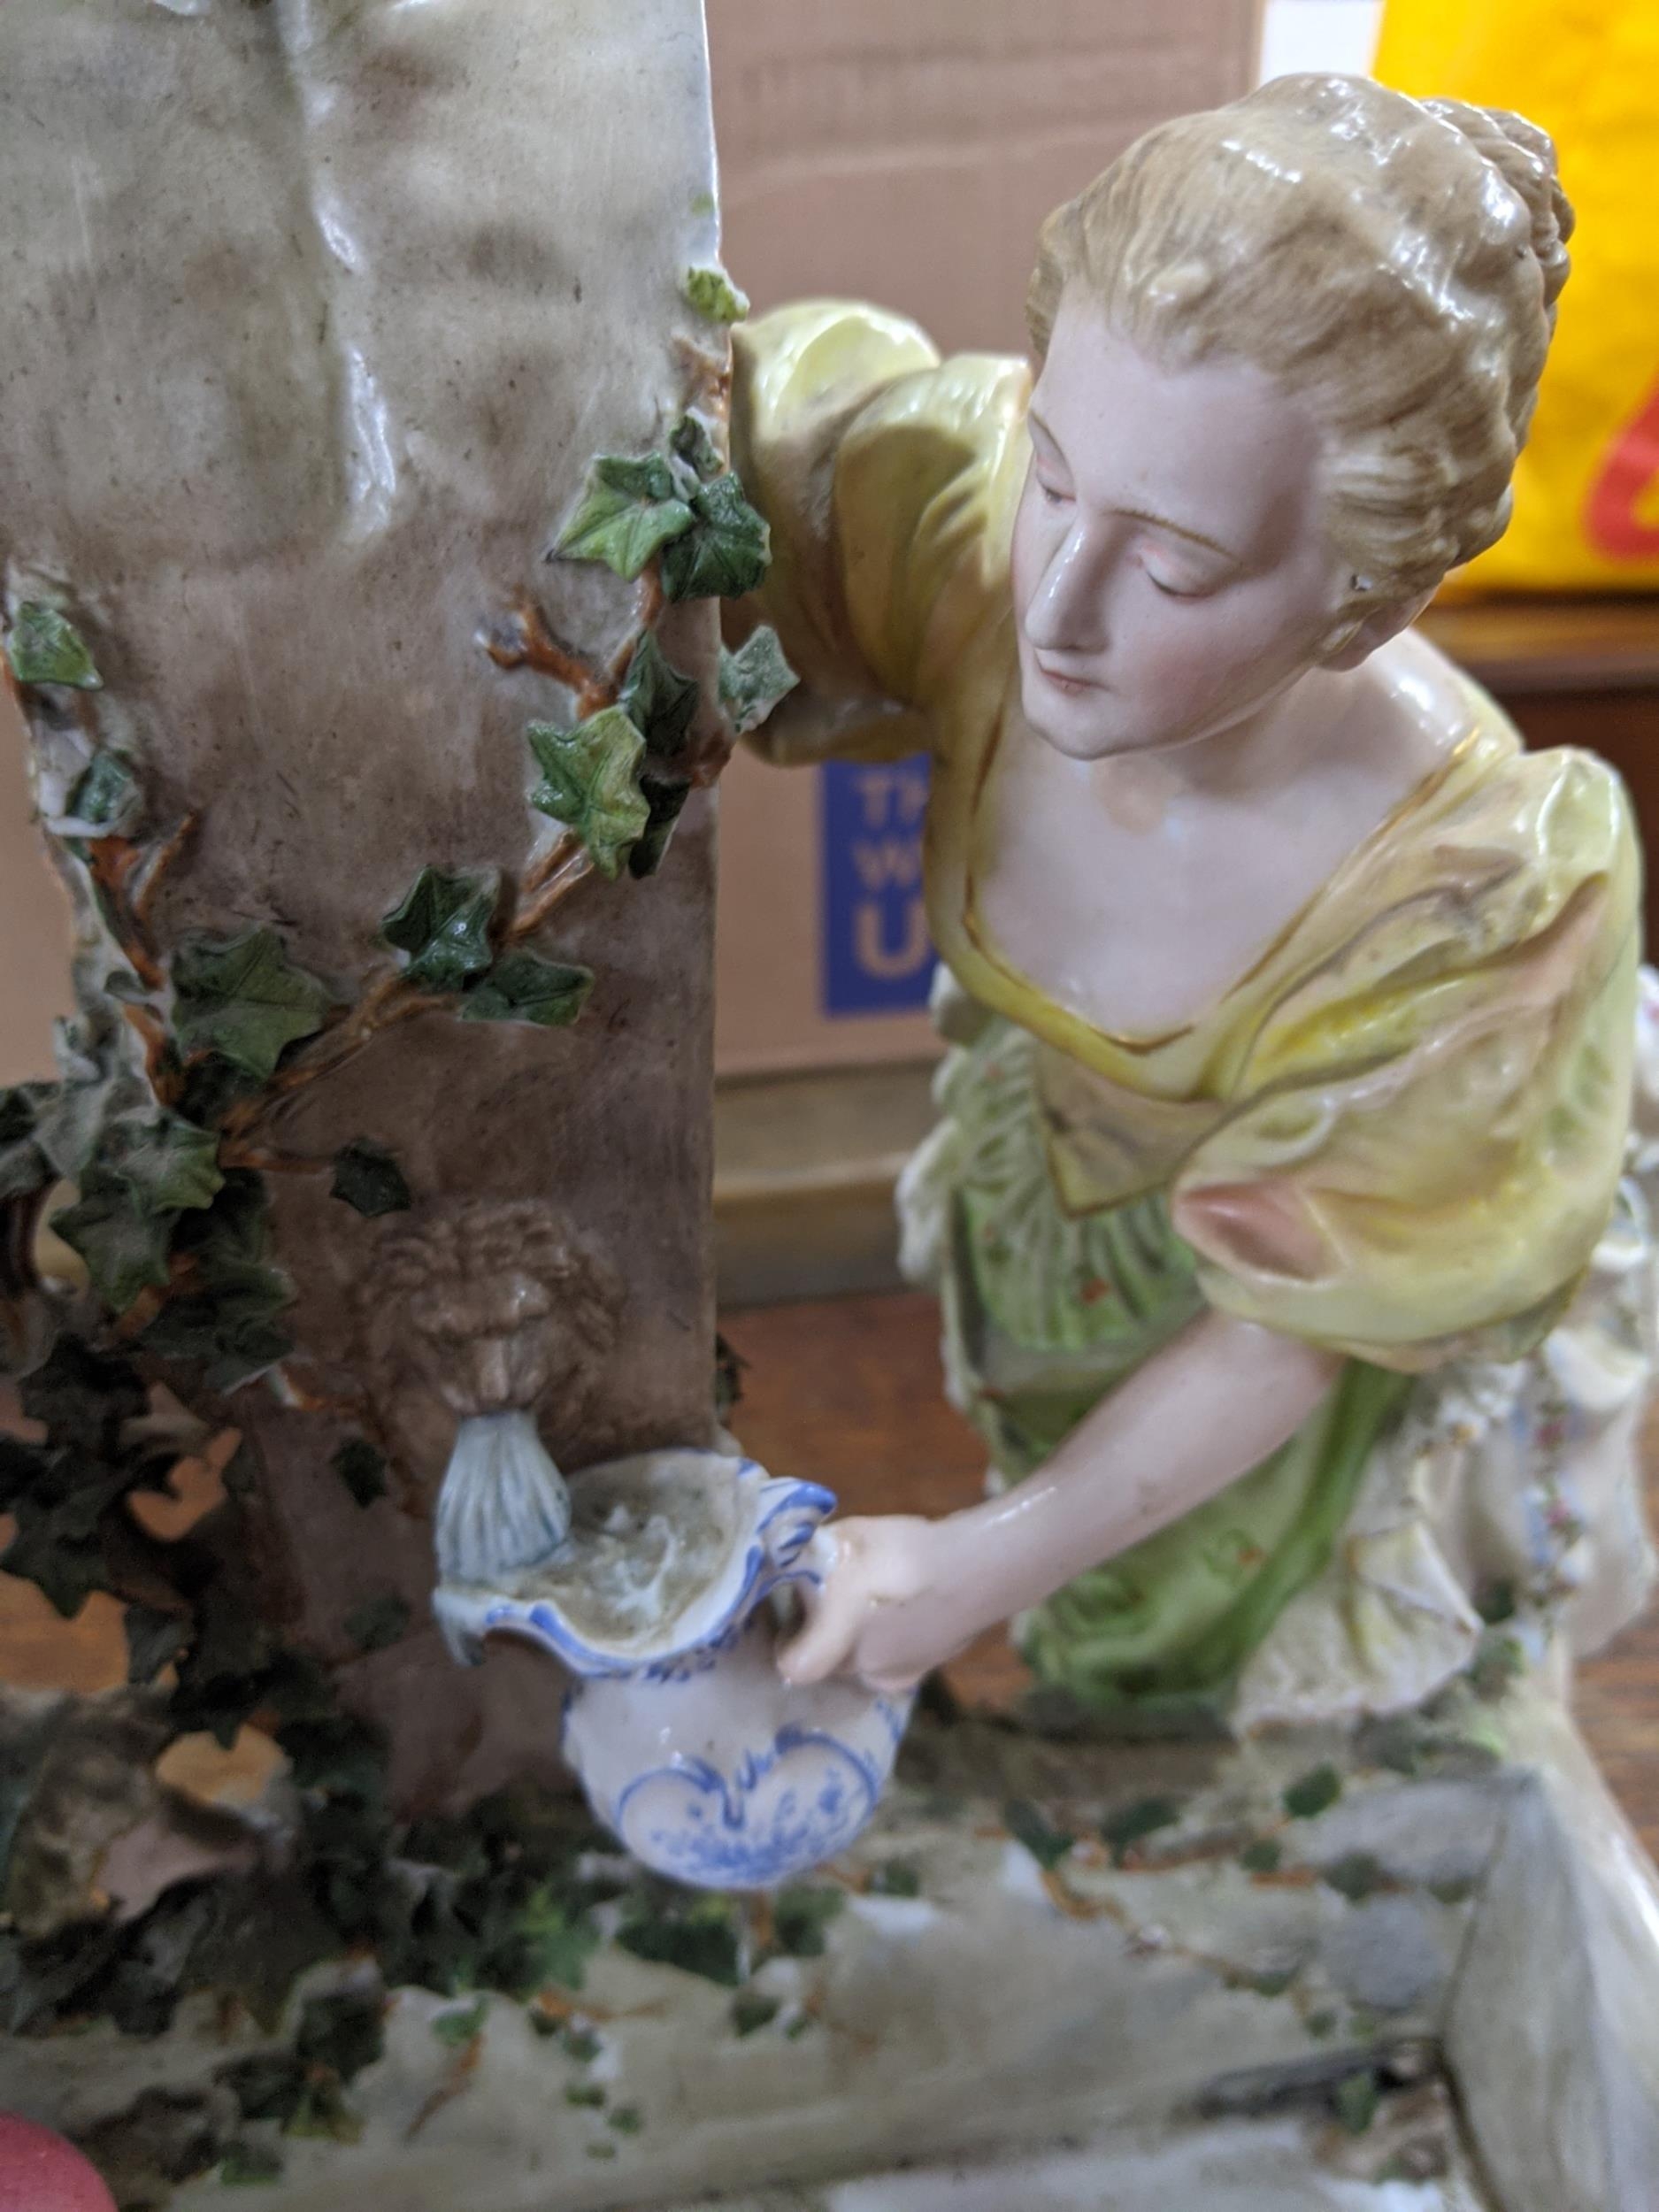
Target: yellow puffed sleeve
889, 478
1429, 1128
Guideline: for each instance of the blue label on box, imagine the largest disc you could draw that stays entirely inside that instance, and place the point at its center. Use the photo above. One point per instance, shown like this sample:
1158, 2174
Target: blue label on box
878, 958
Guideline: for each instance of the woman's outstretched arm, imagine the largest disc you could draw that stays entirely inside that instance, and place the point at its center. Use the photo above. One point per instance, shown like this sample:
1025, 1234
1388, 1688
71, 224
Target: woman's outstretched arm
904, 1595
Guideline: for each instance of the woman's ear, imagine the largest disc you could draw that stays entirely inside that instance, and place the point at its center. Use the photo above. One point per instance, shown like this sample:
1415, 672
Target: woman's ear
1350, 643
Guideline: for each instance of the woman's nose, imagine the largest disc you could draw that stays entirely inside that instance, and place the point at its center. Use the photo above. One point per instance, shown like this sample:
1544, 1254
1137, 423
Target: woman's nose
1067, 610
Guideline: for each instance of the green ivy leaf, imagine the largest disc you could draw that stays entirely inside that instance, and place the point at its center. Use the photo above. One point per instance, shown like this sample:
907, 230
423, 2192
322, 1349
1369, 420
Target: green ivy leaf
106, 795
727, 550
345, 2032
896, 1877
362, 1468
123, 1241
243, 998
153, 1638
1356, 1876
168, 1165
24, 1167
692, 442
697, 1933
225, 1321
1027, 1826
659, 701
630, 509
801, 1918
665, 796
753, 2009
43, 646
559, 1940
457, 2029
1356, 2100
369, 1179
1263, 1856
521, 988
1135, 1823
713, 293
443, 925
1314, 1794
754, 678
379, 1622
589, 783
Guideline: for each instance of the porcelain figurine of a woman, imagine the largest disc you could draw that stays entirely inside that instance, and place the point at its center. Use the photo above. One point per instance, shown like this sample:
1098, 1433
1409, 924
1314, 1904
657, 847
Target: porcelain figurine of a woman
1285, 1206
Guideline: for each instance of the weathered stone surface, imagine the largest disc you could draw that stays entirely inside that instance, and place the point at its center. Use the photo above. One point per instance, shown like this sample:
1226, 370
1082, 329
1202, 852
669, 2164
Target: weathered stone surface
316, 315
1553, 2030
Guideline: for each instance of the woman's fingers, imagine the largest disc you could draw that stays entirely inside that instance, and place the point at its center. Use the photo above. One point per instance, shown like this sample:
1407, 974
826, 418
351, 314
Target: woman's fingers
822, 1646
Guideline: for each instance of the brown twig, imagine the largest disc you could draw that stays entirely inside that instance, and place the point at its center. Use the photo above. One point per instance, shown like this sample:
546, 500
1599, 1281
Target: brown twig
574, 867
534, 646
112, 863
144, 905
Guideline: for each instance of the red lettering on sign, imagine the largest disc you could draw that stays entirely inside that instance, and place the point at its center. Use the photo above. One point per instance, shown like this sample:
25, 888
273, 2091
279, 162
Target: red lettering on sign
1631, 470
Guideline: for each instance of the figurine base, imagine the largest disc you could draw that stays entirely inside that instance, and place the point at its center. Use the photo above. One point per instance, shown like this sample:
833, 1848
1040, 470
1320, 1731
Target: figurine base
1278, 1964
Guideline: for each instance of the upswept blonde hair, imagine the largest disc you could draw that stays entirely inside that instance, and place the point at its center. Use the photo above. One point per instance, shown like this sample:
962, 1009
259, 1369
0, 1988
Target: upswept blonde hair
1397, 261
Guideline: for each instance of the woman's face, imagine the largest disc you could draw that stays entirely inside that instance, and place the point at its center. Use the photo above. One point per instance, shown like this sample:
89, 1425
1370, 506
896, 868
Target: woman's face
1170, 571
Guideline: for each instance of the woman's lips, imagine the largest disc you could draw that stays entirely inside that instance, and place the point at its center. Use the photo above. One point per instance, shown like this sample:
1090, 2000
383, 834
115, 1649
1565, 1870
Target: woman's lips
1062, 680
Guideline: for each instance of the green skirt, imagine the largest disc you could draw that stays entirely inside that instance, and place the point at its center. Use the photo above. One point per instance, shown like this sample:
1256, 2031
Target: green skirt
1044, 1316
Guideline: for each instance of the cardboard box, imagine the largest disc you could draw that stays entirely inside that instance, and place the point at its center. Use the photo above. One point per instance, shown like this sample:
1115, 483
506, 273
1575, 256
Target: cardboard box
903, 151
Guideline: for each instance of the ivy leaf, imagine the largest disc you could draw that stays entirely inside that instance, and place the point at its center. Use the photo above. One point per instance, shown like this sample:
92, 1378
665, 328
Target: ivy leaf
243, 998
753, 2009
1355, 1876
83, 1395
801, 1917
345, 2032
153, 1638
362, 1468
727, 550
630, 509
1356, 2099
457, 2029
692, 443
369, 1179
123, 1241
1314, 1794
443, 925
665, 796
225, 1321
754, 678
107, 794
659, 701
697, 1933
24, 1167
713, 293
521, 988
1135, 1823
588, 782
44, 647
1047, 1845
377, 1623
168, 1165
559, 1939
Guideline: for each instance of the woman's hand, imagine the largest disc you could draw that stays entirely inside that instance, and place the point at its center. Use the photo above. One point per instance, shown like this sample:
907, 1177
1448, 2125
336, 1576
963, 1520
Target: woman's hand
881, 1613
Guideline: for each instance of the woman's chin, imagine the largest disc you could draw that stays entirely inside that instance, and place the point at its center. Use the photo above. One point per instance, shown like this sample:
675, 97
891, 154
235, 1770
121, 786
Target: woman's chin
1074, 724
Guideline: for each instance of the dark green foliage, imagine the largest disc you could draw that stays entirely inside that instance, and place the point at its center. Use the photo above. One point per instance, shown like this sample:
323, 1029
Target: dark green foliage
1135, 1823
753, 2009
443, 924
665, 796
242, 998
379, 1622
1355, 1876
726, 552
1314, 1794
458, 2029
659, 700
44, 647
369, 1179
1027, 1826
1355, 2101
691, 441
896, 1877
222, 1316
1262, 1857
153, 1638
24, 1167
362, 1468
521, 988
697, 1932
801, 1919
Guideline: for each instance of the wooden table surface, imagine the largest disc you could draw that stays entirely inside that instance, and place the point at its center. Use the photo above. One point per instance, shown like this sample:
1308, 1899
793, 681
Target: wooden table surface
846, 1392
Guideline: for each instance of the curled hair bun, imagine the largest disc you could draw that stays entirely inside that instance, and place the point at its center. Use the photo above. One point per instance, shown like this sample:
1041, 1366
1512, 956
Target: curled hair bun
1525, 156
